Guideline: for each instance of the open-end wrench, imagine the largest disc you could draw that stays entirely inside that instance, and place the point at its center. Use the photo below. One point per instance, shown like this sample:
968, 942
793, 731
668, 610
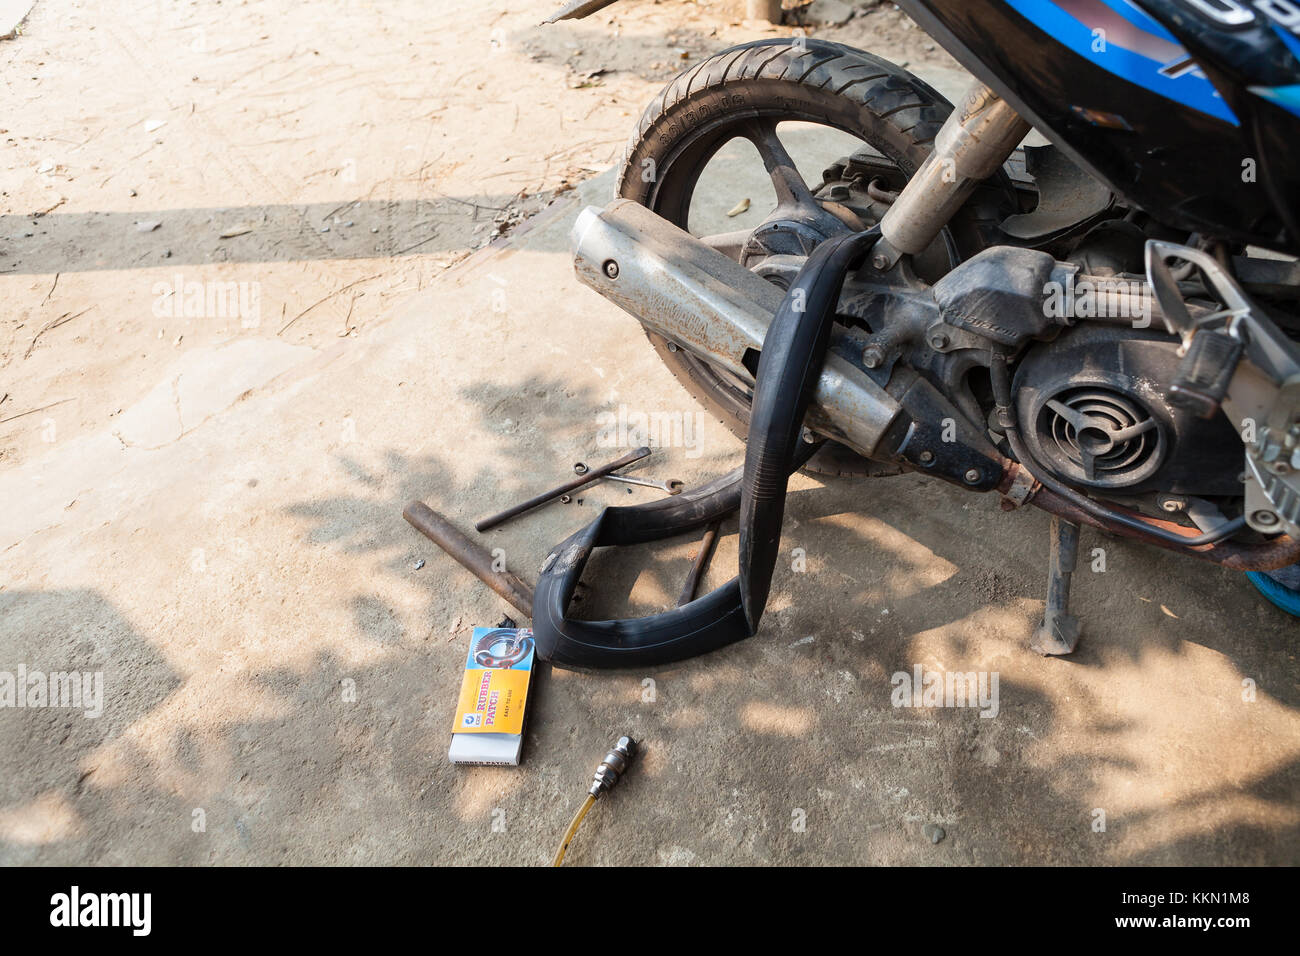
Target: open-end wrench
670, 487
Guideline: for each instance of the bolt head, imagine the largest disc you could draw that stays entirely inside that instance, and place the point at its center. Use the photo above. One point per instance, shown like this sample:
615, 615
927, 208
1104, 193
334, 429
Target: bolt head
926, 457
938, 341
611, 268
972, 476
873, 356
881, 262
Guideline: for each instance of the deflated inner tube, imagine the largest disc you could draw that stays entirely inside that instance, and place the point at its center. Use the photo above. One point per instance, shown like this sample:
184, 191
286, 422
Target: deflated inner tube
794, 350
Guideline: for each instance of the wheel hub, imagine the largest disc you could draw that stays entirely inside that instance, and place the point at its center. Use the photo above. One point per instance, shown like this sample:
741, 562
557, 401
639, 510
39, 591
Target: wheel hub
781, 237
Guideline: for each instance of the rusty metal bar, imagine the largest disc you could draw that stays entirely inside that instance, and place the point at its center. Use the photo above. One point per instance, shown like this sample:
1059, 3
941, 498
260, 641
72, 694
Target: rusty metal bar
473, 557
580, 482
702, 559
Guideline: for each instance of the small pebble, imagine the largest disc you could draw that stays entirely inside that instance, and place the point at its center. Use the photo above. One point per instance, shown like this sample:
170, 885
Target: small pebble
419, 563
933, 832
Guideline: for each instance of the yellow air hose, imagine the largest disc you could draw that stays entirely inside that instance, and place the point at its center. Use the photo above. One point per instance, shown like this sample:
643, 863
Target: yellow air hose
573, 828
607, 775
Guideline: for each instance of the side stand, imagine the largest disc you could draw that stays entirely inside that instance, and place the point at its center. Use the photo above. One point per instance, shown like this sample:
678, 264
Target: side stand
1060, 630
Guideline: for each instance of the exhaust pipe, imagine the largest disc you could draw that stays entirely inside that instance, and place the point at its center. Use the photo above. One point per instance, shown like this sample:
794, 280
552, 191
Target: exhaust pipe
715, 308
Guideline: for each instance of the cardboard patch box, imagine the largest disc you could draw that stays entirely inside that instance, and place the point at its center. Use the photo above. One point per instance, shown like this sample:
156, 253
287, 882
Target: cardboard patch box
489, 723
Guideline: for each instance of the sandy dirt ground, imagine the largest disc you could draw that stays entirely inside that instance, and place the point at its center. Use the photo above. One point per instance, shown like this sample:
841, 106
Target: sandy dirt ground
201, 499
346, 151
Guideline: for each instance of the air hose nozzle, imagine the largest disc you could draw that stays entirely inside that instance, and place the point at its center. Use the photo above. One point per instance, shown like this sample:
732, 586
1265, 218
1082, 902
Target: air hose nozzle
613, 767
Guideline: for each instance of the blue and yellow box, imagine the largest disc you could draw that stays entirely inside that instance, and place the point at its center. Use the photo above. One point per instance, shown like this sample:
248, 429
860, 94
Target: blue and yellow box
489, 723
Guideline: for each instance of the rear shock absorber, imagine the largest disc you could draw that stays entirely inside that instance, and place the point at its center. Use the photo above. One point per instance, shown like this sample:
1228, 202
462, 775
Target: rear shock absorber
979, 136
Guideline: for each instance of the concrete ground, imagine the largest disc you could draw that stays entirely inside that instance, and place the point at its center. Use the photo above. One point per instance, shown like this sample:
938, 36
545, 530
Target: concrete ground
228, 549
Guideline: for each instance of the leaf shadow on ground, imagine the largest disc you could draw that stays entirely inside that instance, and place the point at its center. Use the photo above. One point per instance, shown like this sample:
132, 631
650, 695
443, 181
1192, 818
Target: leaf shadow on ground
783, 708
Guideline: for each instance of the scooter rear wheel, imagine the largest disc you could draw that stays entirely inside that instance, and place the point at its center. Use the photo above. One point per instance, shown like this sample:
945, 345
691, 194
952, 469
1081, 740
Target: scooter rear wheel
744, 92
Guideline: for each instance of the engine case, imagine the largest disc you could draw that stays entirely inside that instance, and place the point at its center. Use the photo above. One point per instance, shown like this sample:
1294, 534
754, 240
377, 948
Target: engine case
1117, 377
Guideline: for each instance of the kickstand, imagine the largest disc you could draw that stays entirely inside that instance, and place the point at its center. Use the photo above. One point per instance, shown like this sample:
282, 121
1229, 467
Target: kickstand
1059, 632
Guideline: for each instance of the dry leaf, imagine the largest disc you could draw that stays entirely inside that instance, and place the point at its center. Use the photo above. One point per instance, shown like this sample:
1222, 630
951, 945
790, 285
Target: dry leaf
742, 206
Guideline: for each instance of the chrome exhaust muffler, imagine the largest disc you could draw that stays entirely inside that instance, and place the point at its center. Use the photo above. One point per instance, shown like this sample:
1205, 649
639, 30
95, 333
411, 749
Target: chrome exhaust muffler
715, 308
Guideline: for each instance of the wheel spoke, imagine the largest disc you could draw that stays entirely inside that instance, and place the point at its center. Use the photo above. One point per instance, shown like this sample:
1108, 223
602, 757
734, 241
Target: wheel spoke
728, 243
789, 185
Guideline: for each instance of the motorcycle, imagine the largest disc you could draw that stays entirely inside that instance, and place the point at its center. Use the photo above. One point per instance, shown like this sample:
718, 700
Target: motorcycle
1106, 327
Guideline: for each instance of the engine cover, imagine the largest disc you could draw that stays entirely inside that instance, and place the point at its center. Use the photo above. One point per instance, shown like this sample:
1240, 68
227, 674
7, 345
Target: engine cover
1093, 410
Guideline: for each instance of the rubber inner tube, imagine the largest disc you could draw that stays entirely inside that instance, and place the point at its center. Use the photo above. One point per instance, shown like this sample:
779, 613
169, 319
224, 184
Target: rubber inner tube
794, 350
